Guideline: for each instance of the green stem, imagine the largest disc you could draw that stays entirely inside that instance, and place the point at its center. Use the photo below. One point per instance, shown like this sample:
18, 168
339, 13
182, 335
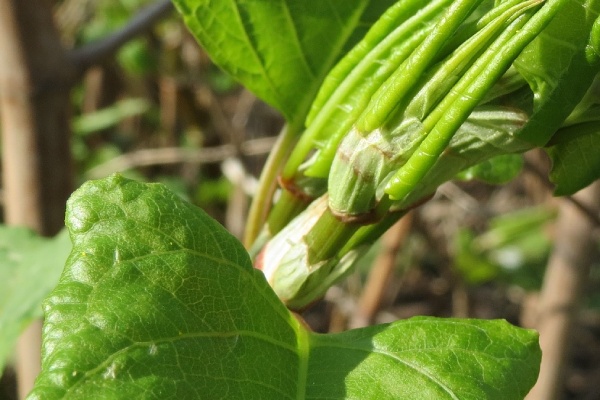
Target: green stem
367, 235
328, 236
268, 182
287, 207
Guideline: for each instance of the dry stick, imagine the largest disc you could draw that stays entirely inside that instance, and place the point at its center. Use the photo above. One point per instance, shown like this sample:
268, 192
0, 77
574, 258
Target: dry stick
35, 80
177, 155
566, 274
380, 274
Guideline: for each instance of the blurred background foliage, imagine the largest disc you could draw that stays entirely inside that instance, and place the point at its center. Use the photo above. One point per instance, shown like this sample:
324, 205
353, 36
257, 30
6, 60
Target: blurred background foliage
159, 93
161, 111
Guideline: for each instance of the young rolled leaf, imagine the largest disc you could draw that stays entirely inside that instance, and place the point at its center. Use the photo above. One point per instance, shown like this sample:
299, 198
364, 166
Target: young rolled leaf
400, 43
159, 301
350, 85
469, 91
440, 125
411, 149
343, 96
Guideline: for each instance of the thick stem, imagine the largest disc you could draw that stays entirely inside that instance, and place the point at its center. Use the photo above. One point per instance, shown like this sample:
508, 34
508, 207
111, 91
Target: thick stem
568, 269
287, 207
328, 236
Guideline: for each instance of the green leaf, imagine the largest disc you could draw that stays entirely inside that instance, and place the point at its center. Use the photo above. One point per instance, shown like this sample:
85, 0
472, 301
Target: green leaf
575, 163
159, 301
30, 269
496, 170
425, 358
559, 68
279, 49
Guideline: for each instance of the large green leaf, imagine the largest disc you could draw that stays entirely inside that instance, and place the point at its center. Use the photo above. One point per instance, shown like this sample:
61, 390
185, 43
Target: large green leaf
279, 49
158, 301
30, 267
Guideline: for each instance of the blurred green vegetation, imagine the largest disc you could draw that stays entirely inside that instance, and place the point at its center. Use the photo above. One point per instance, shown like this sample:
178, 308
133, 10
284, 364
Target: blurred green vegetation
514, 249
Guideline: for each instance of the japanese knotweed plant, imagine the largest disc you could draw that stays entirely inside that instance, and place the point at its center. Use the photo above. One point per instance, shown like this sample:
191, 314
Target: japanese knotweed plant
384, 101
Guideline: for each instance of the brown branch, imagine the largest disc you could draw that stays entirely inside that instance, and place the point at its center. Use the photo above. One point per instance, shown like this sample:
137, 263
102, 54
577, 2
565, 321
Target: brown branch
102, 50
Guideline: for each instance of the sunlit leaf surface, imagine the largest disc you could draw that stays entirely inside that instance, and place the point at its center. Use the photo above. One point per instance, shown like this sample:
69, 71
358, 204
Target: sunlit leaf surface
158, 301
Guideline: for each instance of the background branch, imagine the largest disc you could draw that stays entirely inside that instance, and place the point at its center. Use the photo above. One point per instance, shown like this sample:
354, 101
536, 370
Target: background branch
102, 50
177, 155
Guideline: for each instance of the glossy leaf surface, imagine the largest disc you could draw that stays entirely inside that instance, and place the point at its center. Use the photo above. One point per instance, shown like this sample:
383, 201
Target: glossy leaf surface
158, 301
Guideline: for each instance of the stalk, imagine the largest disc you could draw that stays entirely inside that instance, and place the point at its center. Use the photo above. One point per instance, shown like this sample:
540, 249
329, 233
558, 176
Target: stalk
287, 207
328, 236
266, 187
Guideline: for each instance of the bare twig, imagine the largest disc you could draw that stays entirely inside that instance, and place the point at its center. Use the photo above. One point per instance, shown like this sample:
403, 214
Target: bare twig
176, 155
102, 50
568, 269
